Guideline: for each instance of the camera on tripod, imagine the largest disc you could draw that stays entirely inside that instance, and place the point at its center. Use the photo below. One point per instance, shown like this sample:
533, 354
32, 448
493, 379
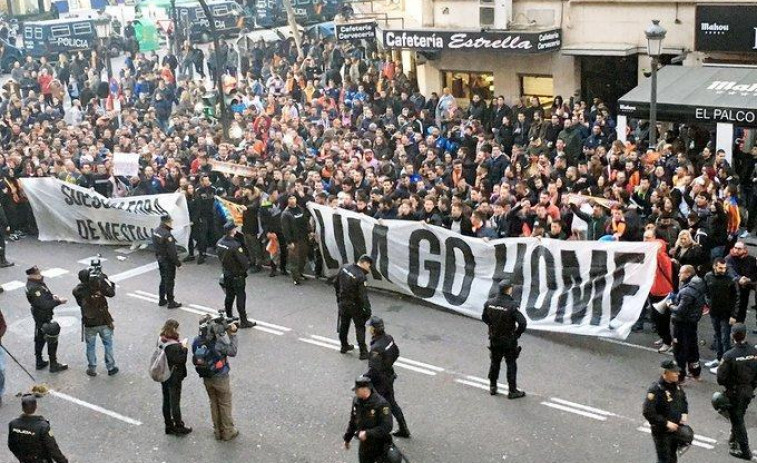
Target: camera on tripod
217, 325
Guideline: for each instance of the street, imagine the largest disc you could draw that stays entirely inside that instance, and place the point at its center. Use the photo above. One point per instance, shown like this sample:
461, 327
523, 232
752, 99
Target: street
292, 387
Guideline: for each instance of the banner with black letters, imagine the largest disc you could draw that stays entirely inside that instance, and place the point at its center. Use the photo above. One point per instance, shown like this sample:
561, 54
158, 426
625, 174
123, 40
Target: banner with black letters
66, 212
580, 287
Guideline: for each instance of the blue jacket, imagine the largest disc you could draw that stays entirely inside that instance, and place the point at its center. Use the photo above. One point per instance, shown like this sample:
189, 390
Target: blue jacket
688, 303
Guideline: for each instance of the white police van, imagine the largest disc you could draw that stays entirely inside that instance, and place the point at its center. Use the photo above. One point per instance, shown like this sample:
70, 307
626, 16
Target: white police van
50, 38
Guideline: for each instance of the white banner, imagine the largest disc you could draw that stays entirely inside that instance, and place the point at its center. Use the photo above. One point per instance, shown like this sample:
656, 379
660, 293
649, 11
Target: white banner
579, 287
126, 164
66, 212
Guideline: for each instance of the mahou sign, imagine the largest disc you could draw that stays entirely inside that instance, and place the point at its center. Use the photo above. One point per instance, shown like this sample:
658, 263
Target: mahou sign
580, 287
505, 41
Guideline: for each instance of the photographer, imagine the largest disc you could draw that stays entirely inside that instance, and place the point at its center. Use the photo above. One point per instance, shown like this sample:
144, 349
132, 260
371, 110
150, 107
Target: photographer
211, 349
46, 330
91, 295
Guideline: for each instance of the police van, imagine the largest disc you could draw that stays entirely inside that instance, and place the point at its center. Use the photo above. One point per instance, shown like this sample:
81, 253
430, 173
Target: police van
50, 38
271, 13
228, 16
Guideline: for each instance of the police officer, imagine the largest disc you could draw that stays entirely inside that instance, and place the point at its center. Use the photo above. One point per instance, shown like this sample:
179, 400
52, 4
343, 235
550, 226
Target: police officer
506, 324
205, 198
168, 262
235, 264
352, 299
666, 410
738, 373
384, 352
370, 422
30, 438
46, 330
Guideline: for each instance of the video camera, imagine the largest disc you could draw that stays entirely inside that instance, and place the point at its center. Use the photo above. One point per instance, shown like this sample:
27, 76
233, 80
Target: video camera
95, 267
217, 325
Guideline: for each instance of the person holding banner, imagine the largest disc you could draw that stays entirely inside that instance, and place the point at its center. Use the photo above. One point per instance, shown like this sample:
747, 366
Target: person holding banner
168, 262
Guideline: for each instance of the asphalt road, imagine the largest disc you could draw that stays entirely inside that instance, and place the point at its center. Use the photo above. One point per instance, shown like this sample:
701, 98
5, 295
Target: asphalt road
292, 388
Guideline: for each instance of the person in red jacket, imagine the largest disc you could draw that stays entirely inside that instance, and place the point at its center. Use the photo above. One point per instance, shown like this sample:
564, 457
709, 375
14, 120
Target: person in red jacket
661, 288
44, 80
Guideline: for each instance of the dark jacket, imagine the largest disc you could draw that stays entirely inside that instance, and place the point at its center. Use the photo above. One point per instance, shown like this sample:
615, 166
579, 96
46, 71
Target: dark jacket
351, 296
176, 354
689, 301
384, 352
722, 295
665, 402
294, 224
232, 256
742, 267
596, 225
42, 300
91, 296
506, 323
30, 440
373, 416
738, 370
165, 245
466, 227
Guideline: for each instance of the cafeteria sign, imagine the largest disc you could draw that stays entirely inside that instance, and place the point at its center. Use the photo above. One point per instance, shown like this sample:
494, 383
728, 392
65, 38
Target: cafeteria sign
520, 42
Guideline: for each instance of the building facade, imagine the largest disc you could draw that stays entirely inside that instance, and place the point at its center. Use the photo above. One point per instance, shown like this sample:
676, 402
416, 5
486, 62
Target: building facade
573, 48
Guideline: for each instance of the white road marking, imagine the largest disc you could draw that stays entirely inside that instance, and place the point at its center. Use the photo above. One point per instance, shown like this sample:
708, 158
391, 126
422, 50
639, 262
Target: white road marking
325, 339
11, 285
317, 343
582, 407
268, 330
695, 442
88, 260
144, 298
96, 408
419, 364
635, 346
483, 387
414, 368
204, 308
145, 293
196, 312
126, 250
133, 272
576, 411
54, 272
275, 327
477, 379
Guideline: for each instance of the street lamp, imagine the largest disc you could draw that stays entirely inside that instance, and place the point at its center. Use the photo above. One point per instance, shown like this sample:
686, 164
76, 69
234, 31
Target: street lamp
103, 27
655, 35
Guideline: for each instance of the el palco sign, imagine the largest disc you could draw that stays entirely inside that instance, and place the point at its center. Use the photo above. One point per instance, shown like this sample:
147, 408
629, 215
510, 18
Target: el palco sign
505, 41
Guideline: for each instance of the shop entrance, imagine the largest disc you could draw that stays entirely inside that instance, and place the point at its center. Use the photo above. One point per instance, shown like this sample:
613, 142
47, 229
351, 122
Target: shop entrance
465, 84
607, 78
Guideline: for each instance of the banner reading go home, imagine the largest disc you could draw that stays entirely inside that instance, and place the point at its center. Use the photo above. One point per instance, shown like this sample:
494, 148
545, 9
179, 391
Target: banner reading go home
580, 287
66, 212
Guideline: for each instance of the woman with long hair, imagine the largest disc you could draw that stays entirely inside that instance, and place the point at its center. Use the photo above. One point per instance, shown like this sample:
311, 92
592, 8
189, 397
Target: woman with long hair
176, 354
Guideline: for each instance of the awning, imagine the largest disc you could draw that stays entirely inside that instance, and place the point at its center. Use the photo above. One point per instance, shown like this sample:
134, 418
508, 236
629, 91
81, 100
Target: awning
610, 49
706, 95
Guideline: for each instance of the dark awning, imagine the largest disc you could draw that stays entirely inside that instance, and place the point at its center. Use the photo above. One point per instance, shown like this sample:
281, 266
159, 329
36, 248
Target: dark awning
706, 95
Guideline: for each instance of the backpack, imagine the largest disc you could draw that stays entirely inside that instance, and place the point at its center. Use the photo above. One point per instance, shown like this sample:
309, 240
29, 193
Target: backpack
159, 370
206, 361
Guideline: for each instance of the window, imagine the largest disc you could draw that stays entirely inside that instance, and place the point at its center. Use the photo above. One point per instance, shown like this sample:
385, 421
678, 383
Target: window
82, 29
539, 86
28, 32
199, 13
59, 31
220, 10
464, 84
38, 33
486, 13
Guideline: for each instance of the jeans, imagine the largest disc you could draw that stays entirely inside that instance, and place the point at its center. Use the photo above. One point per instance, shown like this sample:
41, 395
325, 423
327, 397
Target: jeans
722, 329
2, 372
106, 334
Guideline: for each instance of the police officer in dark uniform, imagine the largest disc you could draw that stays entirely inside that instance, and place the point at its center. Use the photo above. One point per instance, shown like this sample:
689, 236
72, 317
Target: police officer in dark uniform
384, 352
30, 438
506, 324
738, 373
235, 264
168, 262
370, 422
46, 330
352, 299
205, 197
666, 410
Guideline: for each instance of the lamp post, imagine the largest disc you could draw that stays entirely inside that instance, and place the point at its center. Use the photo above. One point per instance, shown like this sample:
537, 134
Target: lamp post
655, 35
103, 33
220, 66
